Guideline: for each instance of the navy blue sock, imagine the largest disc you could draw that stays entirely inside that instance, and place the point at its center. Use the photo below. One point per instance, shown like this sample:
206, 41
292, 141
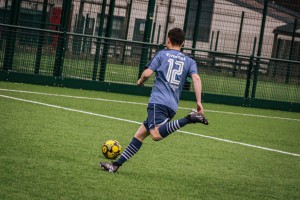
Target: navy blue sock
130, 150
172, 126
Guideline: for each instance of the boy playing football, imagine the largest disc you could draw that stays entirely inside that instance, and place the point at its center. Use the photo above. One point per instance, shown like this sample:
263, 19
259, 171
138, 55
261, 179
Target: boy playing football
172, 68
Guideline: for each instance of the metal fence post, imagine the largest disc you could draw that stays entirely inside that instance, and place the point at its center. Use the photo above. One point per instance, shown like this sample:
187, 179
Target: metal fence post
152, 39
60, 49
129, 8
187, 83
5, 11
196, 27
211, 40
186, 17
41, 39
147, 34
276, 56
216, 48
238, 44
288, 71
12, 36
106, 42
217, 41
249, 72
167, 21
158, 34
78, 29
153, 32
84, 42
3, 37
98, 44
260, 43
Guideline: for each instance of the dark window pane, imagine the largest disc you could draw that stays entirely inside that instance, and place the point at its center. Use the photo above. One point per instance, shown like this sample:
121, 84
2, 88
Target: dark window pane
204, 25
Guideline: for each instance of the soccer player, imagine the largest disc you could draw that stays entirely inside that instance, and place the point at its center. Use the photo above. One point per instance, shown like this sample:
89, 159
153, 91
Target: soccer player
172, 68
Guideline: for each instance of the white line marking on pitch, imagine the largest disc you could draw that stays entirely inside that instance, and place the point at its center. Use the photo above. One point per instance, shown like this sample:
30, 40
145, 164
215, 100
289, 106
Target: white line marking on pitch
137, 103
135, 122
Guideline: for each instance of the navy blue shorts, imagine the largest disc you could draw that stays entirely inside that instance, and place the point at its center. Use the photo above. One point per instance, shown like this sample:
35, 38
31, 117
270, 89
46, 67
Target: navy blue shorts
158, 115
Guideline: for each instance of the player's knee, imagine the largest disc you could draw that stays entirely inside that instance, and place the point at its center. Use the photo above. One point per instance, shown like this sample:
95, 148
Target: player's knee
155, 135
156, 138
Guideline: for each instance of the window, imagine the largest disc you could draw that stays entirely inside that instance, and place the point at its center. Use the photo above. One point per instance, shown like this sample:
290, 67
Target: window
117, 26
204, 26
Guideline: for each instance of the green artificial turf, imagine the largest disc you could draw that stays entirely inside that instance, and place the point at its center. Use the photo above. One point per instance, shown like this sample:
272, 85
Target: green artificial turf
52, 153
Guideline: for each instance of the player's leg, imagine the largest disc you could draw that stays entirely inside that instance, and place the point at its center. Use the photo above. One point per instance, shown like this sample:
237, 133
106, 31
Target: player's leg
142, 133
158, 115
155, 134
164, 130
131, 149
170, 127
134, 145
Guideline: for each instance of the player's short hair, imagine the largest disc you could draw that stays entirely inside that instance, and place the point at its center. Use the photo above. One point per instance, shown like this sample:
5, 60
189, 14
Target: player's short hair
176, 36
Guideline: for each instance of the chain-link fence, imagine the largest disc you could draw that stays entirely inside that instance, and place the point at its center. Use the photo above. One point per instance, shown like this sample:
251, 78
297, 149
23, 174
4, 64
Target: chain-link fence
248, 49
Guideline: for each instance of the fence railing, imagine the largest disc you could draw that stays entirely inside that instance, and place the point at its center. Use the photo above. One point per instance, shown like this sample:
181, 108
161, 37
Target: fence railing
222, 73
246, 50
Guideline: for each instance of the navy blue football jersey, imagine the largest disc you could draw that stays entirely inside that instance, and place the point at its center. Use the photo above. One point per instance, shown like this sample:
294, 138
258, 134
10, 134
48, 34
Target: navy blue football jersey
172, 68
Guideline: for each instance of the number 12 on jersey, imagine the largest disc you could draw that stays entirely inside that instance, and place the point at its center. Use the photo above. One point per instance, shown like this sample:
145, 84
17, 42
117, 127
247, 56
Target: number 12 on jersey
171, 74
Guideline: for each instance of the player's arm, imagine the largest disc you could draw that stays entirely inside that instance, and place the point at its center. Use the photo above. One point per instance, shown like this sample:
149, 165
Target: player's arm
144, 77
198, 90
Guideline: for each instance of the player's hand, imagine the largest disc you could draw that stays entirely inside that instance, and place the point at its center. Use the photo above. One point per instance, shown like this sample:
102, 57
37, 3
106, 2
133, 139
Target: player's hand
200, 108
139, 83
